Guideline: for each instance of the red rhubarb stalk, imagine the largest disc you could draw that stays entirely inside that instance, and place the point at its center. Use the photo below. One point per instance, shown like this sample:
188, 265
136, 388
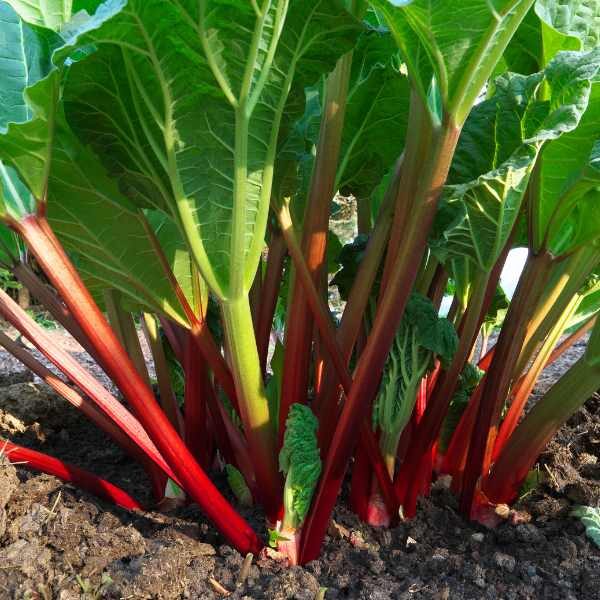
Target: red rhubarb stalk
541, 424
524, 386
269, 292
195, 414
299, 321
499, 377
194, 480
325, 327
37, 461
111, 407
438, 150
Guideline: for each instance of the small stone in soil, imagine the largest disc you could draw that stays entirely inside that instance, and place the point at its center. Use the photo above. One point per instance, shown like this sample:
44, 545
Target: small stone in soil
505, 561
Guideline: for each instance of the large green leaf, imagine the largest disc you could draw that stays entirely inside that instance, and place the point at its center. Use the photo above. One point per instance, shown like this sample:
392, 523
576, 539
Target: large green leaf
31, 84
578, 19
24, 60
43, 162
565, 204
92, 219
51, 14
525, 50
189, 97
498, 149
554, 26
457, 43
376, 115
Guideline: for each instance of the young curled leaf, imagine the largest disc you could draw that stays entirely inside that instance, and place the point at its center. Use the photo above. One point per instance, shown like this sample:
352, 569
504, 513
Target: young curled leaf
300, 461
423, 336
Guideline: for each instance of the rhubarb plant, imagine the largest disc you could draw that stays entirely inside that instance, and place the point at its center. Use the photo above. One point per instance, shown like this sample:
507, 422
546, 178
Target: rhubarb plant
178, 162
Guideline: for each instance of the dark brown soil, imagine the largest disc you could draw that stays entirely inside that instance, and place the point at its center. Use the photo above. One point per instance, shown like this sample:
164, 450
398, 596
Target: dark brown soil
57, 542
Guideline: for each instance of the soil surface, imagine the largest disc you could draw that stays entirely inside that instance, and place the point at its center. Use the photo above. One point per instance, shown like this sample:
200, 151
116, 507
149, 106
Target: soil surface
58, 542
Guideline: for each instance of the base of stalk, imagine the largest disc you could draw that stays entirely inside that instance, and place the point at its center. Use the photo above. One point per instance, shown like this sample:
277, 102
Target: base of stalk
377, 512
289, 548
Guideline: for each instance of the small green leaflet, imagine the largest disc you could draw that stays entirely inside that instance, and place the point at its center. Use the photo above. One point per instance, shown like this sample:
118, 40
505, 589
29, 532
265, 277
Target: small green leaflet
590, 517
238, 486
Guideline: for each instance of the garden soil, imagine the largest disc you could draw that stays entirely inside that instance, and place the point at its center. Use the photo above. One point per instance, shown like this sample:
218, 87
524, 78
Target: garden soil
58, 542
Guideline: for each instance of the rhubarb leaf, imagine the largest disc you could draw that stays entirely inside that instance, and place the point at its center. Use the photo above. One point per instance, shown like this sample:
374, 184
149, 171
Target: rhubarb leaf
25, 59
423, 336
578, 22
457, 44
203, 88
564, 209
300, 462
51, 14
497, 150
92, 219
28, 119
589, 304
554, 26
376, 115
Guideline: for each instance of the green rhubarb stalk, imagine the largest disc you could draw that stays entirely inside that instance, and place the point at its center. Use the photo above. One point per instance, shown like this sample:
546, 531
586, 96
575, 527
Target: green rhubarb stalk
254, 406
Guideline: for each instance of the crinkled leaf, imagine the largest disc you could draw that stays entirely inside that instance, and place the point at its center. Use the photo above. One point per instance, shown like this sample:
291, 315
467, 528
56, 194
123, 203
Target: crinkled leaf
300, 461
422, 336
497, 151
578, 19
